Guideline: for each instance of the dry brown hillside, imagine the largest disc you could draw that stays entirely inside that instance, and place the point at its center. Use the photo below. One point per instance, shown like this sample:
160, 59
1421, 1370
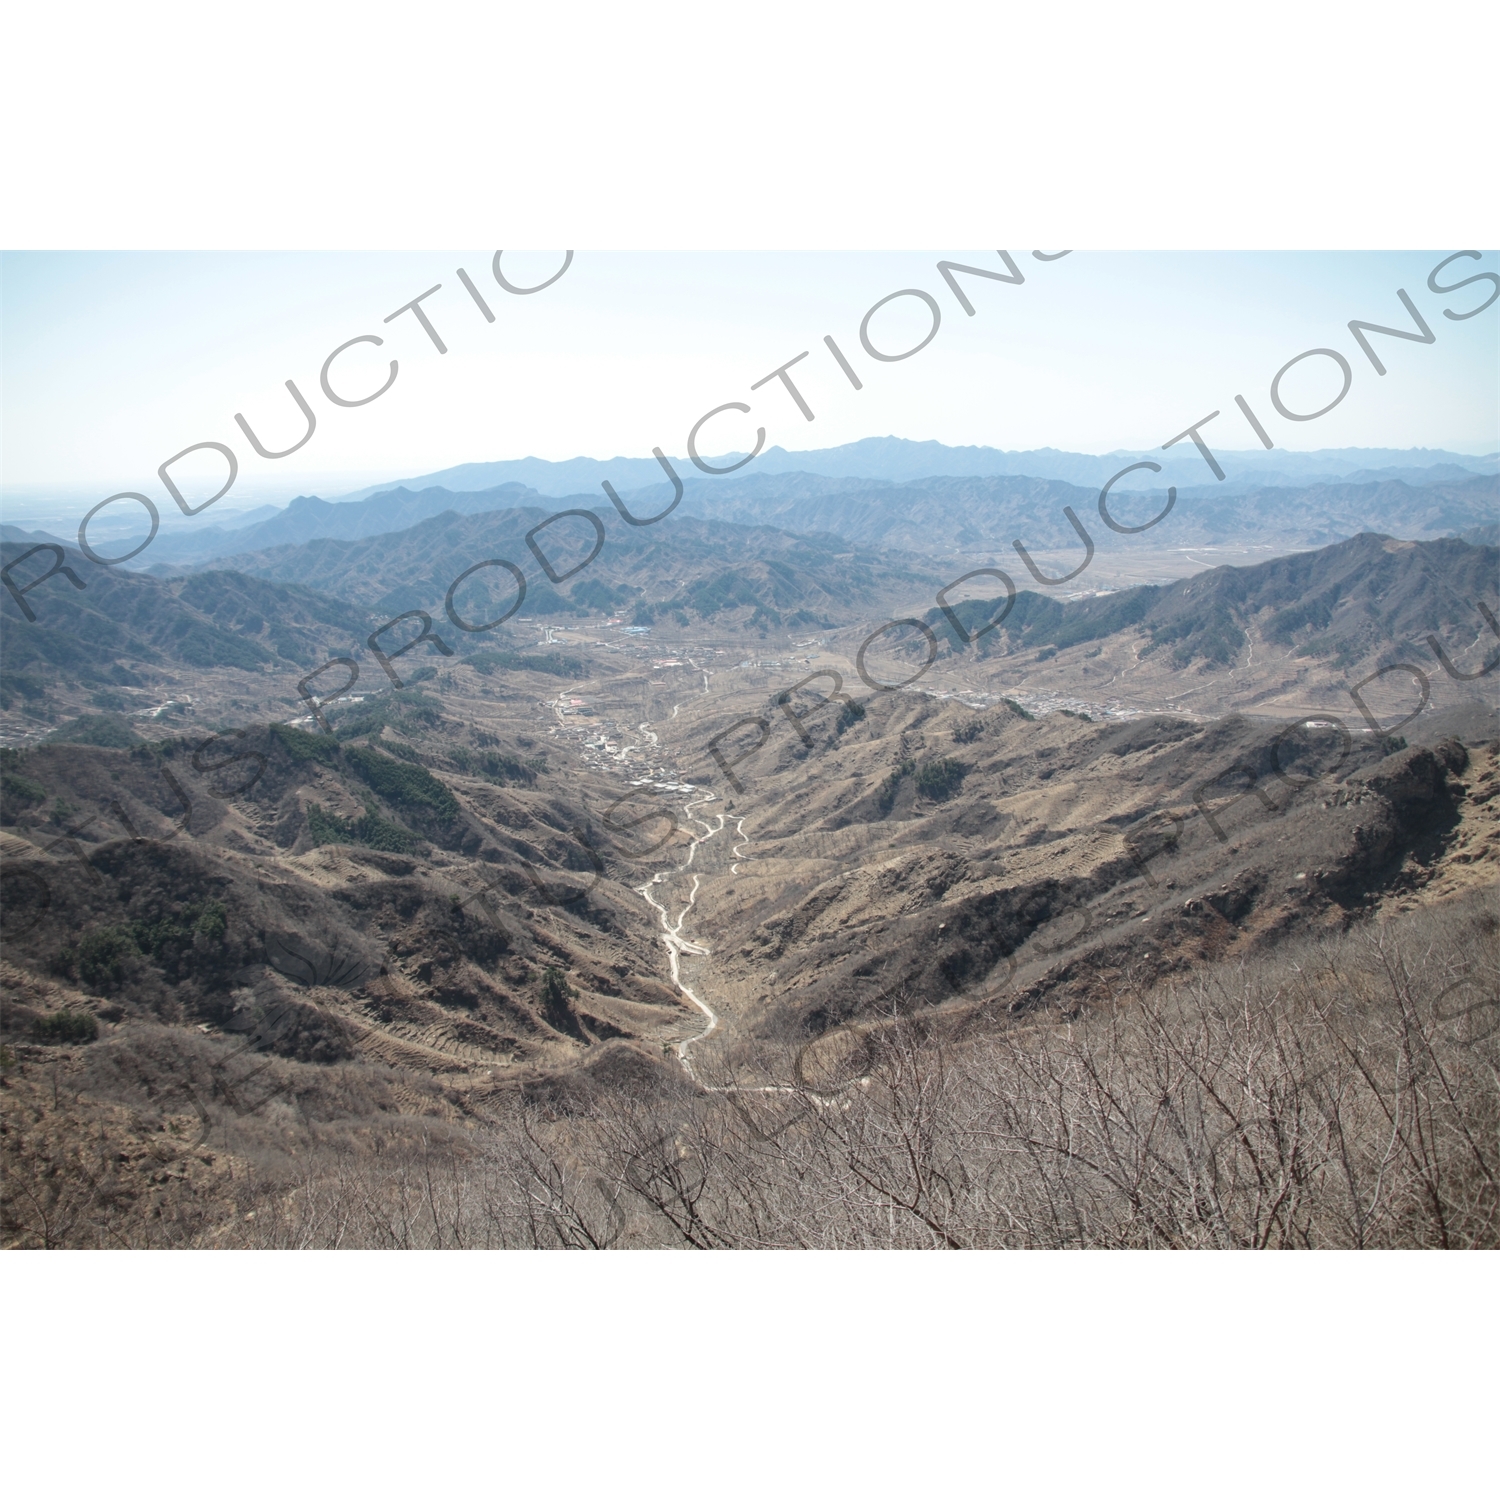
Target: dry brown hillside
553, 903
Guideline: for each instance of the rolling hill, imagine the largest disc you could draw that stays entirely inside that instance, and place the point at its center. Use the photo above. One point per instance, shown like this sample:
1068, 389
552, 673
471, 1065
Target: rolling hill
697, 567
894, 460
1361, 601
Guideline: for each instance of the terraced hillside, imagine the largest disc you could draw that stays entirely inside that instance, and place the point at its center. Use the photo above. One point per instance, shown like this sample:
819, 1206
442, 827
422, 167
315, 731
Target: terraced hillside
603, 875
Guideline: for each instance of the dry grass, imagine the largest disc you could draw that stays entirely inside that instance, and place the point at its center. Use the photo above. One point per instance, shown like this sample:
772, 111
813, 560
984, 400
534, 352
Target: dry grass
1344, 1093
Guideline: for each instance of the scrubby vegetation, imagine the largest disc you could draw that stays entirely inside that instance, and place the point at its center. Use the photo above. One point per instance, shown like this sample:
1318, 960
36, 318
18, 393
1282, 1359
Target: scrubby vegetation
400, 751
1209, 632
497, 766
556, 996
18, 792
409, 787
852, 713
369, 829
67, 1026
885, 799
939, 779
109, 731
595, 594
1341, 1094
205, 919
23, 686
550, 663
409, 711
304, 747
101, 958
98, 958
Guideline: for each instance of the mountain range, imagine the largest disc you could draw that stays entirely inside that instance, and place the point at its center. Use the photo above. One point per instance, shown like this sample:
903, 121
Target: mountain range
1358, 602
244, 636
887, 490
943, 516
898, 460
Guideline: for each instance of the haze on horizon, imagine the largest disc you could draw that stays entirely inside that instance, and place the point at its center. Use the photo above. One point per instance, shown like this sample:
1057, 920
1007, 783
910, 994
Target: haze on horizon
114, 362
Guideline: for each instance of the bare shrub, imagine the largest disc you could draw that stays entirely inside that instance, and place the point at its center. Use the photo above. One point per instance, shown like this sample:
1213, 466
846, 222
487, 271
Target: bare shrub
1342, 1093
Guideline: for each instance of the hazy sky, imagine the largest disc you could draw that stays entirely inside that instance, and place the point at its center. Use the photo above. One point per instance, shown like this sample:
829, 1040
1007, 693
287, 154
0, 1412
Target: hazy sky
114, 362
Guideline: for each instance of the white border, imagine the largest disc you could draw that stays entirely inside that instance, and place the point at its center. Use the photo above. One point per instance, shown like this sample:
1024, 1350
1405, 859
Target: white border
301, 123
788, 1374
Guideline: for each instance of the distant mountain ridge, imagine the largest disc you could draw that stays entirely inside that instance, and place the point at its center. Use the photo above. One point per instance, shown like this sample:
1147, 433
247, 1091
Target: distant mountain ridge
899, 460
943, 516
892, 492
1353, 602
1367, 601
969, 516
1352, 595
101, 636
308, 518
940, 517
705, 566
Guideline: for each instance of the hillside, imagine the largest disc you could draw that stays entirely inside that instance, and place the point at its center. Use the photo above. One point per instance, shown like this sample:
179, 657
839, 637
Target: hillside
702, 568
216, 1038
127, 643
982, 516
307, 518
397, 889
1284, 632
1352, 603
554, 903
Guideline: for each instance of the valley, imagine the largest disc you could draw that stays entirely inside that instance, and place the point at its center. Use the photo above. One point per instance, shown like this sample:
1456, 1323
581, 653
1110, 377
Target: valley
715, 822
